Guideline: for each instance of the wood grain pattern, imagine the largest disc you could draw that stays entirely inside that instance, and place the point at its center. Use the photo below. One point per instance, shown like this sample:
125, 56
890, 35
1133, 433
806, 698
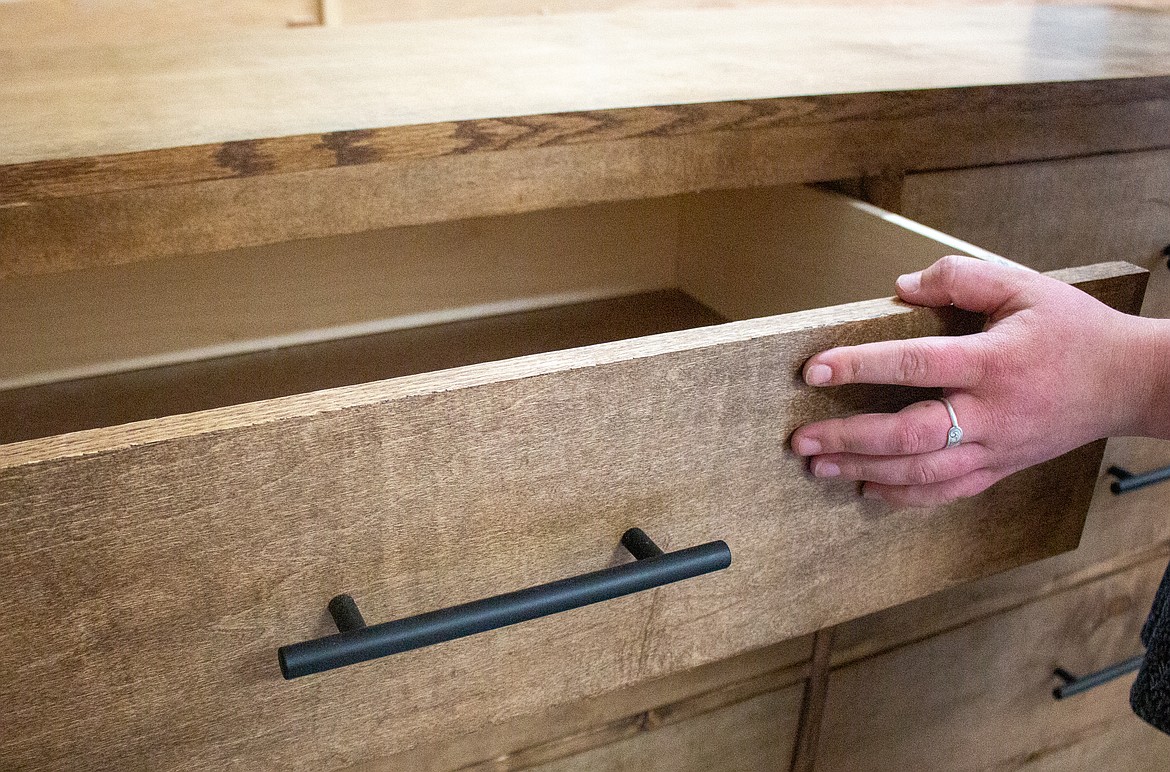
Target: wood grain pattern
587, 724
180, 552
979, 697
756, 734
120, 227
23, 182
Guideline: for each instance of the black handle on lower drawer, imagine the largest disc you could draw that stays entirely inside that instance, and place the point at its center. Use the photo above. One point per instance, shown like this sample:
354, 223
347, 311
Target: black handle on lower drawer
1073, 685
1128, 481
355, 642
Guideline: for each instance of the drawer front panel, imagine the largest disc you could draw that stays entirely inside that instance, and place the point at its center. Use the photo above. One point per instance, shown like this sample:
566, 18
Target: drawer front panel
156, 567
980, 697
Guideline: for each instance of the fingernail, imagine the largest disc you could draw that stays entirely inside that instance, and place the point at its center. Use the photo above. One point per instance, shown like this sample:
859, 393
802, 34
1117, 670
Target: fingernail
870, 492
818, 375
826, 469
807, 446
910, 282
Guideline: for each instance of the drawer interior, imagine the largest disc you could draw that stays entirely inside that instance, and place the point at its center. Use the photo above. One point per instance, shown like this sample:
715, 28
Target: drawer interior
110, 345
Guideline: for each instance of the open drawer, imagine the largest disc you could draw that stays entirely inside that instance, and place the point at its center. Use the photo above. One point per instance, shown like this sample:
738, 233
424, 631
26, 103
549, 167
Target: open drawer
415, 418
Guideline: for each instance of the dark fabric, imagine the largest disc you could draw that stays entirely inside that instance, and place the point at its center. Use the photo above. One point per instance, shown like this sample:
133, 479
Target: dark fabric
1150, 696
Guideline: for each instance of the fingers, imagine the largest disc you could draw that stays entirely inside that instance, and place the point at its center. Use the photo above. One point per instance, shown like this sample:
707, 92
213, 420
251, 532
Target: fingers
935, 494
921, 469
976, 285
956, 363
919, 428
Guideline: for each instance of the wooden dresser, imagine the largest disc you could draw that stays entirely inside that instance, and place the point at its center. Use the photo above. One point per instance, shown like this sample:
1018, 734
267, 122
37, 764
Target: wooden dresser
427, 311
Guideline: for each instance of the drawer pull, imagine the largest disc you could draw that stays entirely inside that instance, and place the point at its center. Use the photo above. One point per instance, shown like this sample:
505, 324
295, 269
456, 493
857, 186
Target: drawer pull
1073, 685
356, 642
1128, 481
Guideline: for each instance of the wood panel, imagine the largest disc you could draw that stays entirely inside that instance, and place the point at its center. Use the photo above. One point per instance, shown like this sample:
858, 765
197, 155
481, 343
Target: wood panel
1059, 213
162, 312
730, 242
178, 553
1118, 534
812, 707
580, 727
979, 697
756, 734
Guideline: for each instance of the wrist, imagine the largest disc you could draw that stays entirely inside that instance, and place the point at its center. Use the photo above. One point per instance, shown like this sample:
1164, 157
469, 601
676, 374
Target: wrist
1143, 382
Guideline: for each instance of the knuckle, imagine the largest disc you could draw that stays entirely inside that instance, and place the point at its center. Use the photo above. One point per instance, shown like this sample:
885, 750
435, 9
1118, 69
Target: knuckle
947, 269
913, 364
908, 439
922, 473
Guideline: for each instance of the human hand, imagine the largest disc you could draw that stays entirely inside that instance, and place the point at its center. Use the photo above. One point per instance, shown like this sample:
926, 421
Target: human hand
1053, 369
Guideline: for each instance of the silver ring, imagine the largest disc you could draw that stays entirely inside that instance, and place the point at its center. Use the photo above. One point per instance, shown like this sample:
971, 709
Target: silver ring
955, 433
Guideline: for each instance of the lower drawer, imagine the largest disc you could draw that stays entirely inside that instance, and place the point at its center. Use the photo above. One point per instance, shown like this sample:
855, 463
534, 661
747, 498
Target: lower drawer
159, 564
757, 734
980, 697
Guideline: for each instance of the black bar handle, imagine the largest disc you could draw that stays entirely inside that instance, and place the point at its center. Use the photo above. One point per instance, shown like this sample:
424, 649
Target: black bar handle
1128, 481
356, 642
1073, 685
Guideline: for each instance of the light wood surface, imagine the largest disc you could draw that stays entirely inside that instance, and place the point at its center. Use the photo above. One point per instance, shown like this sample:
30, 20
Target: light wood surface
41, 22
113, 319
979, 697
238, 87
749, 253
835, 250
180, 552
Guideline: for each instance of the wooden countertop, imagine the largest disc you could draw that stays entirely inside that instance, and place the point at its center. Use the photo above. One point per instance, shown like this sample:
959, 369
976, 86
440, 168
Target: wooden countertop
77, 102
113, 153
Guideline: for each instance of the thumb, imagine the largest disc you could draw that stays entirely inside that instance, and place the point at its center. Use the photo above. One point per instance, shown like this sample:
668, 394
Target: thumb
966, 282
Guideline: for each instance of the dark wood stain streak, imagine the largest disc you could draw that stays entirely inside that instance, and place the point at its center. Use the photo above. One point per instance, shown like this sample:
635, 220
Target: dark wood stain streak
245, 158
350, 148
37, 180
17, 187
